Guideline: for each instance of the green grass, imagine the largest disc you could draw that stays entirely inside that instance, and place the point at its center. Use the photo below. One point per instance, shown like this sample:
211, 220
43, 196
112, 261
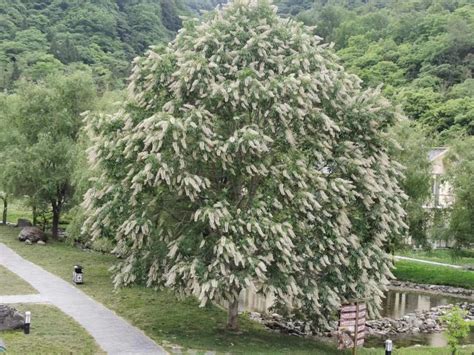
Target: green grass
17, 209
51, 332
162, 316
431, 274
421, 350
167, 319
10, 284
447, 256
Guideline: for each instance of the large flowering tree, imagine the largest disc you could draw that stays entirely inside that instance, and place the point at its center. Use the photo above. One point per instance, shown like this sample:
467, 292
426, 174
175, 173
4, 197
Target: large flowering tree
247, 158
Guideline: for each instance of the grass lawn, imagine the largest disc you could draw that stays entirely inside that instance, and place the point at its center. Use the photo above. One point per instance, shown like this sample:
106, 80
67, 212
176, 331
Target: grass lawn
168, 320
432, 274
421, 350
10, 284
51, 332
464, 257
161, 315
17, 209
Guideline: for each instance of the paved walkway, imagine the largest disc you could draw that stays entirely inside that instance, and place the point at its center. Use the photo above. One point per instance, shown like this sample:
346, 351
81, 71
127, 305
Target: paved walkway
113, 334
428, 262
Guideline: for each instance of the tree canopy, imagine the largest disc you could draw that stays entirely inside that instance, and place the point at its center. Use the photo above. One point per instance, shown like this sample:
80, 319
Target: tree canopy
247, 157
39, 147
421, 50
41, 37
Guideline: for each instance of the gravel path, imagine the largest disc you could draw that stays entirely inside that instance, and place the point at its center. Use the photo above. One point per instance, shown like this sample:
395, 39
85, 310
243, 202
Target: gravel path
113, 334
427, 262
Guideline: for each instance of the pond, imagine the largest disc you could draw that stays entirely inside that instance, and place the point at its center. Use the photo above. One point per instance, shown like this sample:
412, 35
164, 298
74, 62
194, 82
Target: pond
399, 303
396, 304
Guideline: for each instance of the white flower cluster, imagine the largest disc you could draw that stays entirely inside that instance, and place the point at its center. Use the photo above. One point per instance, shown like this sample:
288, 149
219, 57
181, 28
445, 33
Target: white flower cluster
246, 157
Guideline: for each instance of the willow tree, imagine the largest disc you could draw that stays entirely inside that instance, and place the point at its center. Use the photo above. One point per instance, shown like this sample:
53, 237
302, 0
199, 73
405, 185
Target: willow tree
247, 158
39, 147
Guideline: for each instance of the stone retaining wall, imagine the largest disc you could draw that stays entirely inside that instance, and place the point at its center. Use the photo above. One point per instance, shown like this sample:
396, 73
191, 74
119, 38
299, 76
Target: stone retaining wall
455, 291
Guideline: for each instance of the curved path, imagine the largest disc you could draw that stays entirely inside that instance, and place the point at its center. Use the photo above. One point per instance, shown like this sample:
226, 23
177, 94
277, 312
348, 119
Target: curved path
427, 262
113, 334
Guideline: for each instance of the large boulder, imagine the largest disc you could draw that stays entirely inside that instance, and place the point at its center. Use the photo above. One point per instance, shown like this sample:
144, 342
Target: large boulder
21, 223
10, 318
33, 234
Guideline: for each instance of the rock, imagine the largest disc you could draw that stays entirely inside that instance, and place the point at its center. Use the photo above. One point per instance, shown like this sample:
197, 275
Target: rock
433, 288
21, 223
417, 323
40, 242
10, 318
33, 234
277, 316
430, 323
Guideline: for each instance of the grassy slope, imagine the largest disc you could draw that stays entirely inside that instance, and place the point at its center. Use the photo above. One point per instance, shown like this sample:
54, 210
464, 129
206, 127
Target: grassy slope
431, 274
442, 256
160, 314
10, 284
52, 332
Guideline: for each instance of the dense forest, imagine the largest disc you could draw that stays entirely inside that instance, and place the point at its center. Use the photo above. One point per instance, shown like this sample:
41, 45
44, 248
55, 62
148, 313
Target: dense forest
38, 38
422, 52
61, 57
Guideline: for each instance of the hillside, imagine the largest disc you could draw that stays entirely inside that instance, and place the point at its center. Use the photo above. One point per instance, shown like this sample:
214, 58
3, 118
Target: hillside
39, 37
421, 50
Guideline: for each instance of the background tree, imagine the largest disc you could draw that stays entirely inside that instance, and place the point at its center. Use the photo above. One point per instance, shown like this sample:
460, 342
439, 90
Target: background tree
4, 199
44, 120
417, 177
83, 176
39, 38
246, 157
420, 50
461, 225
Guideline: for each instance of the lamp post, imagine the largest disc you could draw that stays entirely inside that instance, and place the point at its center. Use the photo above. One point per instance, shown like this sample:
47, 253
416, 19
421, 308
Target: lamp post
388, 347
3, 348
77, 275
26, 328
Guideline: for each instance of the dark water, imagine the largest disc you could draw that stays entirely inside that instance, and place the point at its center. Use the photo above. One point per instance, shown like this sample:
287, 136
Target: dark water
395, 305
399, 303
434, 339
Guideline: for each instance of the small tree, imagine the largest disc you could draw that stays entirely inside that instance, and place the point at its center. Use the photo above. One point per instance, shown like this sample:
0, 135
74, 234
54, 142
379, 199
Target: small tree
417, 177
44, 122
461, 172
457, 328
247, 158
4, 199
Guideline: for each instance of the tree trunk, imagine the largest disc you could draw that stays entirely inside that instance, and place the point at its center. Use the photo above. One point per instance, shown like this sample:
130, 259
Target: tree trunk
232, 321
56, 215
35, 215
5, 210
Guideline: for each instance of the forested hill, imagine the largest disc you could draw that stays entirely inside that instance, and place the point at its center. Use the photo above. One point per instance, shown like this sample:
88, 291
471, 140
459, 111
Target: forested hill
421, 50
38, 37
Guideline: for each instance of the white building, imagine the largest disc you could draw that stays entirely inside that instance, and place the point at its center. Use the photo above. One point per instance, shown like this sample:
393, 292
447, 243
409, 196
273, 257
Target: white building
442, 192
442, 196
